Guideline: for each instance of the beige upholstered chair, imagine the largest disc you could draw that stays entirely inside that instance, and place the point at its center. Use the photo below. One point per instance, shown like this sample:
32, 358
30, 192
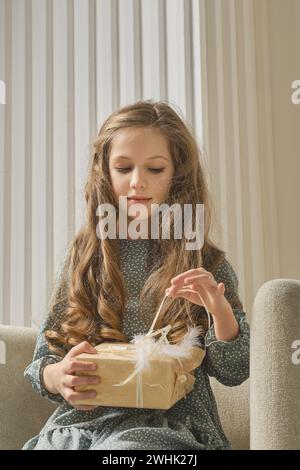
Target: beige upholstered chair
262, 413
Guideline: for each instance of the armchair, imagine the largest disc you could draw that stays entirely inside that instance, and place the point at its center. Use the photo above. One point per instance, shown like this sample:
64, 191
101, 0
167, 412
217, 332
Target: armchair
261, 413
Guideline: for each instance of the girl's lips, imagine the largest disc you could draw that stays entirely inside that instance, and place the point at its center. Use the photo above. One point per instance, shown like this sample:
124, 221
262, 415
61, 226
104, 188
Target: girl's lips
142, 201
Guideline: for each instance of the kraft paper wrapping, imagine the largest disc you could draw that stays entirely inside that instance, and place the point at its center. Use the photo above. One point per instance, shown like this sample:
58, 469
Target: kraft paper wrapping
166, 380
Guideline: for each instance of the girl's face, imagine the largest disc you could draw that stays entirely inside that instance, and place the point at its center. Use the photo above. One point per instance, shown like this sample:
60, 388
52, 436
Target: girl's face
140, 164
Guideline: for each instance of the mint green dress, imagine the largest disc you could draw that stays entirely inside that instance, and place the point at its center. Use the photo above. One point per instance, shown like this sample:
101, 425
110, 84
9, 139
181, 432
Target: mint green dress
191, 424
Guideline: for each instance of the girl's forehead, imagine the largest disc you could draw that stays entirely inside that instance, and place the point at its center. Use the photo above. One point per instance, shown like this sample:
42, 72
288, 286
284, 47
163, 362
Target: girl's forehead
141, 140
131, 134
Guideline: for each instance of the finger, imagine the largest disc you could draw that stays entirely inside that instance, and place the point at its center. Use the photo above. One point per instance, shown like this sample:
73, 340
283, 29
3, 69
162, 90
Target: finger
72, 396
81, 348
198, 285
199, 277
74, 366
192, 296
189, 288
86, 407
75, 381
221, 288
172, 291
186, 293
190, 272
195, 289
203, 282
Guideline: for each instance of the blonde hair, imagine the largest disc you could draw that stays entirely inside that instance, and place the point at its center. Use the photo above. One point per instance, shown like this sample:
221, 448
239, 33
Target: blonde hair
94, 295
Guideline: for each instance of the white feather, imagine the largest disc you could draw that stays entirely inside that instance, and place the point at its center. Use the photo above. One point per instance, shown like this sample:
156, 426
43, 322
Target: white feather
146, 346
183, 349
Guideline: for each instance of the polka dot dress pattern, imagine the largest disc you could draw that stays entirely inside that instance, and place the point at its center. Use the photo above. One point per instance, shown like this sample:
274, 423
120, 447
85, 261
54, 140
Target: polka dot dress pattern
191, 424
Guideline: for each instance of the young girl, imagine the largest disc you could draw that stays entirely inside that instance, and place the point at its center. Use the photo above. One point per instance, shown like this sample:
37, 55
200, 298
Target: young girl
110, 289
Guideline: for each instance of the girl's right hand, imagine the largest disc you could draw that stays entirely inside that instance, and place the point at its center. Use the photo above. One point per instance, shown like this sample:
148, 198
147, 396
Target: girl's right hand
65, 380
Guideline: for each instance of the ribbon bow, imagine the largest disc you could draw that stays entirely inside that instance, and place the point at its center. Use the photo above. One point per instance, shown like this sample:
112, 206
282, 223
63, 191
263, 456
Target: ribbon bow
147, 346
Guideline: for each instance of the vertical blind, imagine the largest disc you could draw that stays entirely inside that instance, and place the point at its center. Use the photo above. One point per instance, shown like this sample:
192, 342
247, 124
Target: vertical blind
67, 65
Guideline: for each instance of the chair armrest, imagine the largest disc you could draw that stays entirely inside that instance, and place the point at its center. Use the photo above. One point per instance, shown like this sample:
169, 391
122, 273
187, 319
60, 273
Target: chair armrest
274, 378
22, 411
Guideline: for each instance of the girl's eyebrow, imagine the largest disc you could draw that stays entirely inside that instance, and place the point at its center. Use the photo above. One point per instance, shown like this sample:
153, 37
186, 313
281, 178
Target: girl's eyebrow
150, 158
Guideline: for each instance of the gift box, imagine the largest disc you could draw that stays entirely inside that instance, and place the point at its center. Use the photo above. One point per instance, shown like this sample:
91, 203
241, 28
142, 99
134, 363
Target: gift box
148, 372
144, 373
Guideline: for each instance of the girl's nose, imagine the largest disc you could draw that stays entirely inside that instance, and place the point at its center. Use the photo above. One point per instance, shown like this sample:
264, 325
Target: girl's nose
137, 181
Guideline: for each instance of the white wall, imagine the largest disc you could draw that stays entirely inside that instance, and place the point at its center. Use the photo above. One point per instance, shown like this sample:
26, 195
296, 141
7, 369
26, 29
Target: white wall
252, 135
284, 58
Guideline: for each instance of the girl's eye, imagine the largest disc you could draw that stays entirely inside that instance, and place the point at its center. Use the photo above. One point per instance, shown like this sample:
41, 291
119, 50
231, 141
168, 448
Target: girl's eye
154, 170
122, 170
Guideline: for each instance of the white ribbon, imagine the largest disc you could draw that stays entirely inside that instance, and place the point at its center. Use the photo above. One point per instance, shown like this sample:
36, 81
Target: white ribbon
154, 346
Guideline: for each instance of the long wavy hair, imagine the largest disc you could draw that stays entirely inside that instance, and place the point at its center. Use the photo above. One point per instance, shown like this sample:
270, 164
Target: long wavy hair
92, 295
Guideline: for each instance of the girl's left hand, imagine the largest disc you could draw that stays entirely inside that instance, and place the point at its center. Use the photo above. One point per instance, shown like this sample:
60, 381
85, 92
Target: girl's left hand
199, 281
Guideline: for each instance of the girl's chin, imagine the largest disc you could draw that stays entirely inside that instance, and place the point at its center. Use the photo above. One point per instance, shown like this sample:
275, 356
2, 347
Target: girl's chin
132, 217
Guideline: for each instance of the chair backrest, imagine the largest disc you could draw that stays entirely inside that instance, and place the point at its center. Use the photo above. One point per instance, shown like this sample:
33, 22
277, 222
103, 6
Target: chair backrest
234, 411
22, 411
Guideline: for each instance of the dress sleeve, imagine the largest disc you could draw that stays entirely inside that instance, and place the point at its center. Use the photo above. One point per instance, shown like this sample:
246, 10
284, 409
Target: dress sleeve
42, 355
228, 361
